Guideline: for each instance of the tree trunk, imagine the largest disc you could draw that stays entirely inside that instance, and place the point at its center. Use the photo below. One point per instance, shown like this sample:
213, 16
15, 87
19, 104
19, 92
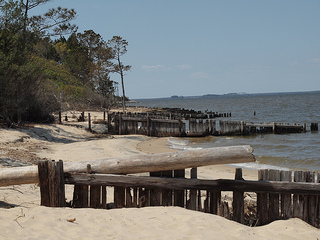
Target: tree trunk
139, 163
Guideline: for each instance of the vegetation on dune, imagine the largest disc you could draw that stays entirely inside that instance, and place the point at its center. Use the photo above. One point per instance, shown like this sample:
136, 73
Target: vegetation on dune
46, 65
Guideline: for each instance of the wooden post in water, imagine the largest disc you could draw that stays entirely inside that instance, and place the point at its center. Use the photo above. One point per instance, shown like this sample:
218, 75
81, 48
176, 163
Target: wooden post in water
314, 127
242, 127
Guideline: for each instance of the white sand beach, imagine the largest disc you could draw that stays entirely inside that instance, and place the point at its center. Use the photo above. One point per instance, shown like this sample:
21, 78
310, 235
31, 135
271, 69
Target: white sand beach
22, 217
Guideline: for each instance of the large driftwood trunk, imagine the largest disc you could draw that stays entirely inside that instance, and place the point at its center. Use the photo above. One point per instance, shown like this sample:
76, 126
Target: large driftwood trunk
139, 163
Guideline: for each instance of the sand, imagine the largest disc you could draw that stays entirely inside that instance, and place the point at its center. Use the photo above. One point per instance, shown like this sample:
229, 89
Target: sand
22, 217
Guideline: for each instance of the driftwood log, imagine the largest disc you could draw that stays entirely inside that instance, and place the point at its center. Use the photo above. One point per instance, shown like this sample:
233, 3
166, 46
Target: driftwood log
138, 163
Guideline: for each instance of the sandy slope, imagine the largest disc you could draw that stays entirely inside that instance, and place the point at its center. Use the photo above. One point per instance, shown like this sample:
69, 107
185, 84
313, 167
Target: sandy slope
21, 217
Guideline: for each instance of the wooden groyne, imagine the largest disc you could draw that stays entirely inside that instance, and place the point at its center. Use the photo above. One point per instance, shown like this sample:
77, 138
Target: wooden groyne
279, 196
188, 123
160, 125
247, 128
163, 125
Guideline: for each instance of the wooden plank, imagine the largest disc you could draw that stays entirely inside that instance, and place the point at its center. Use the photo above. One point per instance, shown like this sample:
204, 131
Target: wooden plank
60, 184
298, 199
199, 201
119, 197
167, 193
262, 200
155, 193
193, 193
103, 196
310, 210
214, 202
144, 197
286, 200
56, 184
179, 195
43, 182
129, 202
274, 198
80, 196
95, 196
238, 200
135, 197
198, 184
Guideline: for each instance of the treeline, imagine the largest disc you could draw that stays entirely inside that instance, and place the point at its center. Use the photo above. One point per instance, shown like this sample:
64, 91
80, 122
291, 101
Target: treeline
46, 65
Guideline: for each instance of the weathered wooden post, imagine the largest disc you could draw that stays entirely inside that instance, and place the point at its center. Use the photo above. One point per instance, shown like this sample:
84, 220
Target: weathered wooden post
179, 194
148, 125
51, 179
242, 127
89, 122
274, 210
273, 127
155, 193
120, 124
286, 201
314, 127
238, 200
193, 193
60, 121
262, 200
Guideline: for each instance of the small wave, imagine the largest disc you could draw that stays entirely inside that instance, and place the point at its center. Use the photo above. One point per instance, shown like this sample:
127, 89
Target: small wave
257, 166
180, 144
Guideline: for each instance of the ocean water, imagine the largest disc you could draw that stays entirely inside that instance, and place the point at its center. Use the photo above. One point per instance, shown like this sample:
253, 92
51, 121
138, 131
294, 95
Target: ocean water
278, 151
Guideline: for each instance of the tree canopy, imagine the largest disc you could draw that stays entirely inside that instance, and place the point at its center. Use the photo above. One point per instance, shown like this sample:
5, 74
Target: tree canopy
46, 65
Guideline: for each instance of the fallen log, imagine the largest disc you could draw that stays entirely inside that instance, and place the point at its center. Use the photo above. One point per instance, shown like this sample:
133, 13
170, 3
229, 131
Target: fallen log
138, 163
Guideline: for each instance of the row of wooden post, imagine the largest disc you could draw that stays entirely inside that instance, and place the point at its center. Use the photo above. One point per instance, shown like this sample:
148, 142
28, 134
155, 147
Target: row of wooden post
271, 204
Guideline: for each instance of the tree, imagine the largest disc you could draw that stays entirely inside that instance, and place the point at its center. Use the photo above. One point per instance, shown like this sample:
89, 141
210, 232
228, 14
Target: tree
22, 92
118, 48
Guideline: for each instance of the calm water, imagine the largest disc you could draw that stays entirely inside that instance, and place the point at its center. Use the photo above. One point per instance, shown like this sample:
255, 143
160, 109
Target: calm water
288, 151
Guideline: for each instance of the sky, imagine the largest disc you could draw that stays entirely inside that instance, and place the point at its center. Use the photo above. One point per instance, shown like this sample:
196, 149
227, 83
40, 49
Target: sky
199, 47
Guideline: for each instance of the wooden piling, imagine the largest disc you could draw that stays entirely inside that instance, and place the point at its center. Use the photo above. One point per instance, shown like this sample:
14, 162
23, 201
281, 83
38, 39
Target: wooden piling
52, 184
167, 193
179, 194
89, 122
193, 193
286, 200
238, 200
262, 200
155, 193
274, 198
60, 121
314, 127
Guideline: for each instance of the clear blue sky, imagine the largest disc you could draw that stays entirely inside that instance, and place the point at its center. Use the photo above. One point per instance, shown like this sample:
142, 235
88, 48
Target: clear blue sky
184, 47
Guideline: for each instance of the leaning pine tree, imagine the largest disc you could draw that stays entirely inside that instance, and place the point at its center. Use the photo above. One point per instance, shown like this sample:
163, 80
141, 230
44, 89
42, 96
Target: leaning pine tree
119, 47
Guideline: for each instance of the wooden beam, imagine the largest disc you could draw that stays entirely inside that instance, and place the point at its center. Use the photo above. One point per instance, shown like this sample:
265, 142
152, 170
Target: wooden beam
139, 163
182, 183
